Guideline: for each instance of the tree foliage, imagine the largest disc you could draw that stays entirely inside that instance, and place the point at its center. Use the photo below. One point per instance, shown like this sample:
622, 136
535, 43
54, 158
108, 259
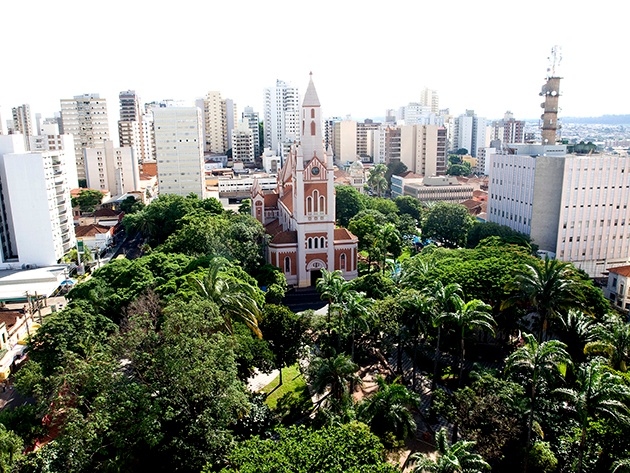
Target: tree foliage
88, 200
348, 203
448, 224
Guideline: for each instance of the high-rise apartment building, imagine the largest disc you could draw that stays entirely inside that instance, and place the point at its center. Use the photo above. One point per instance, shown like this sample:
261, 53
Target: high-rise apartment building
345, 147
36, 223
23, 122
508, 130
281, 108
133, 130
219, 122
469, 132
85, 118
179, 150
365, 131
423, 149
253, 123
113, 169
243, 144
429, 98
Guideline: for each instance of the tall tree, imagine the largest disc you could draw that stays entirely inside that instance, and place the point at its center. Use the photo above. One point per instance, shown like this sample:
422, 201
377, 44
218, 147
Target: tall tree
348, 203
333, 286
612, 340
548, 288
537, 362
377, 178
236, 300
450, 458
448, 224
600, 393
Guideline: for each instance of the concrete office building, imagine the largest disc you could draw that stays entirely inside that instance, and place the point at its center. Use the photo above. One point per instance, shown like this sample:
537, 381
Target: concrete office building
365, 141
179, 150
281, 110
113, 169
253, 123
36, 224
574, 207
85, 118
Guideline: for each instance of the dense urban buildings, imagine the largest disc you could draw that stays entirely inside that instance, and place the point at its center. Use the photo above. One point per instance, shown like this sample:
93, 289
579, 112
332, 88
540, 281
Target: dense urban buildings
469, 133
23, 122
219, 122
179, 150
508, 130
251, 119
85, 118
113, 169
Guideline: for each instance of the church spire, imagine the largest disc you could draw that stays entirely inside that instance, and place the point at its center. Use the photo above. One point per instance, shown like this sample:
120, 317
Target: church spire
310, 98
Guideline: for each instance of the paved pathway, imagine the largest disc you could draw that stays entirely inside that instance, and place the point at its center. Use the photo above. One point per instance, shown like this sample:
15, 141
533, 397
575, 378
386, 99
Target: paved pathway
259, 380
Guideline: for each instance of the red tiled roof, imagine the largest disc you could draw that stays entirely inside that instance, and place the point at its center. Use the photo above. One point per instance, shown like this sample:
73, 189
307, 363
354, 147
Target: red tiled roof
342, 234
271, 200
410, 175
90, 230
76, 192
273, 227
283, 238
340, 174
287, 200
621, 270
106, 213
9, 317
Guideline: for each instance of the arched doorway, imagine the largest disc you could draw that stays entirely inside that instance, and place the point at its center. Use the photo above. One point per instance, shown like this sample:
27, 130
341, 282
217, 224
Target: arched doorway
315, 275
315, 268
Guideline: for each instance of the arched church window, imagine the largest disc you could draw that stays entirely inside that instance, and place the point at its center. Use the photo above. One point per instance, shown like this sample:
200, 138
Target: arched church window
322, 204
312, 113
315, 201
309, 204
316, 242
287, 264
323, 242
312, 128
342, 262
310, 243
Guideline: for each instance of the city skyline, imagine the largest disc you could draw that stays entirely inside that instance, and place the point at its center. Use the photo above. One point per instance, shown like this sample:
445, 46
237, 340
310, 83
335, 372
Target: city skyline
365, 57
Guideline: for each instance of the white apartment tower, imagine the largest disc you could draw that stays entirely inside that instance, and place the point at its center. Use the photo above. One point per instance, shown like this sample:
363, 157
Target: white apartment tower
179, 150
281, 105
430, 98
133, 130
36, 223
253, 123
85, 117
113, 169
469, 132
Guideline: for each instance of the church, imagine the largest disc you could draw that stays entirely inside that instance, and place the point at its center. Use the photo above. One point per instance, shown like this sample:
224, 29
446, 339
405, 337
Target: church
299, 214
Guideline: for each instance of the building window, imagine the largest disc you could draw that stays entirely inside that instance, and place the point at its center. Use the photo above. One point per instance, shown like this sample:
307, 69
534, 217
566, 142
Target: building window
312, 128
312, 113
287, 264
342, 262
322, 242
322, 204
310, 243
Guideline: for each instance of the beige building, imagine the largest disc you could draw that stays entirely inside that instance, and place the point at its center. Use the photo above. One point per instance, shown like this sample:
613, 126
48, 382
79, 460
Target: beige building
216, 122
112, 168
438, 189
345, 134
243, 144
85, 117
423, 149
179, 150
617, 289
430, 98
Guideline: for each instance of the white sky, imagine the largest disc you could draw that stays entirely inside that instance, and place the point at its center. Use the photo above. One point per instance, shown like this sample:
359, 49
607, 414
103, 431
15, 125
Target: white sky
366, 56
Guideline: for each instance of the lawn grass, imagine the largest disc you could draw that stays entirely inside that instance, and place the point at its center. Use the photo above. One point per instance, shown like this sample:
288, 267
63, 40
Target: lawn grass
292, 381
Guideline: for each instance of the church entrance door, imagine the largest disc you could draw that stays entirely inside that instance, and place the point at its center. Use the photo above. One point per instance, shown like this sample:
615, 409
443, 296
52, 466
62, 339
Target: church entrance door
315, 275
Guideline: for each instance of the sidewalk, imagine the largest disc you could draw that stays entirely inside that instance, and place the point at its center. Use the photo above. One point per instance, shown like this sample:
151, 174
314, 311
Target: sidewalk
260, 380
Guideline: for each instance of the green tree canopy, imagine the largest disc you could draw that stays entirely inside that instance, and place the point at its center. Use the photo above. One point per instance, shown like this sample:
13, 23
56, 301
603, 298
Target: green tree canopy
447, 223
349, 202
88, 200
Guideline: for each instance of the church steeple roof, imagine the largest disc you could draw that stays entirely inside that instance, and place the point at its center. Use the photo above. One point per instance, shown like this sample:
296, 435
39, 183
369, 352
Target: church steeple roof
311, 99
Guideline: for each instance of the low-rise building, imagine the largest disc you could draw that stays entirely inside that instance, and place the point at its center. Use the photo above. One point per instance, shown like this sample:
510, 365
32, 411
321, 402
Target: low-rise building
95, 235
617, 289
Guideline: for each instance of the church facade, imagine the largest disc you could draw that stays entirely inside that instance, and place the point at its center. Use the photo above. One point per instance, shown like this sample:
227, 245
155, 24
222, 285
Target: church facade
299, 215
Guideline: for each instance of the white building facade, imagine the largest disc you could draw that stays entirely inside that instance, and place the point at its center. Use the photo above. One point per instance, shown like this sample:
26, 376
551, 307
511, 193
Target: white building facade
112, 168
179, 150
281, 109
36, 215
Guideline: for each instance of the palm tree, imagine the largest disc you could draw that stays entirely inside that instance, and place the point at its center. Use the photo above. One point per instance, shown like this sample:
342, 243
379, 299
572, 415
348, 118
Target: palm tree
358, 310
387, 410
333, 286
537, 362
377, 178
600, 393
443, 299
450, 458
236, 300
612, 340
548, 288
337, 372
468, 316
417, 319
388, 236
